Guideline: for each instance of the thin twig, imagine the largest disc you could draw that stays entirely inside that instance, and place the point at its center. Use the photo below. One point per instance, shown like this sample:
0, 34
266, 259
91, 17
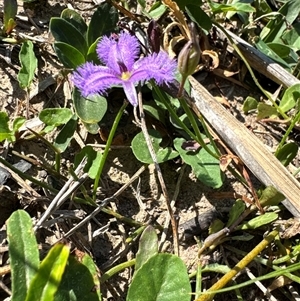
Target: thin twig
175, 195
159, 174
105, 202
62, 195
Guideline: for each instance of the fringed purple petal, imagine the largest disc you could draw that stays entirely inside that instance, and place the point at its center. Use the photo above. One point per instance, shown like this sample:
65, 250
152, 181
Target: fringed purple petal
91, 79
123, 51
103, 48
157, 66
130, 92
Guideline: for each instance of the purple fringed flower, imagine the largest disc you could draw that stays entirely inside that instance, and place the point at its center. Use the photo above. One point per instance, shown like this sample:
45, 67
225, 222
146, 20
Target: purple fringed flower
123, 68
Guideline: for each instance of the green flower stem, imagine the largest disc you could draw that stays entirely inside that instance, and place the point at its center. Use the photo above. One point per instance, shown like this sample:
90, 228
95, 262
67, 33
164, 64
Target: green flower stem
209, 294
116, 269
122, 218
282, 271
267, 94
57, 161
132, 236
107, 147
288, 131
162, 96
272, 265
196, 129
198, 281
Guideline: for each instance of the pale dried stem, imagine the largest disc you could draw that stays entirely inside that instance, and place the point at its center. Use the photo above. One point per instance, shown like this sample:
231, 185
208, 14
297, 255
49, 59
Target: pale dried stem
105, 202
159, 175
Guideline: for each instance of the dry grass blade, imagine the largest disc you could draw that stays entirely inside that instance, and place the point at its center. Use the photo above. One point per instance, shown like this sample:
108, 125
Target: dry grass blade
247, 146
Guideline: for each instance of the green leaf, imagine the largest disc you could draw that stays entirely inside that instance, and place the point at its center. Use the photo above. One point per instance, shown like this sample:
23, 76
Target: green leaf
262, 8
104, 21
5, 132
65, 136
198, 16
235, 212
92, 128
259, 221
90, 110
23, 253
55, 116
264, 48
18, 122
274, 29
154, 111
47, 280
216, 268
147, 247
283, 51
183, 3
205, 167
234, 7
141, 152
290, 98
93, 160
65, 32
270, 197
292, 37
80, 280
10, 8
142, 3
157, 10
92, 54
28, 64
264, 110
69, 56
74, 19
287, 153
163, 277
249, 104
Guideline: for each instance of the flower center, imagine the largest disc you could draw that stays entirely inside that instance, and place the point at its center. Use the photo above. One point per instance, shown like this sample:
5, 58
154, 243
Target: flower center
125, 75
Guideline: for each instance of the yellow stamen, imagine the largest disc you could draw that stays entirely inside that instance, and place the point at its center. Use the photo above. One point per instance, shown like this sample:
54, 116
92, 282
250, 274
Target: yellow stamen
125, 75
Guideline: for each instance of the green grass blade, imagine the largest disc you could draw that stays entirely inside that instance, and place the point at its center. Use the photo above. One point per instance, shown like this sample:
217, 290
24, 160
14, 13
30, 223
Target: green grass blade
47, 280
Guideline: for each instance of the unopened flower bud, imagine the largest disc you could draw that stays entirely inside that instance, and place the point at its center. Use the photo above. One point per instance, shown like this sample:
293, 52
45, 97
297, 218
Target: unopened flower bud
154, 34
189, 57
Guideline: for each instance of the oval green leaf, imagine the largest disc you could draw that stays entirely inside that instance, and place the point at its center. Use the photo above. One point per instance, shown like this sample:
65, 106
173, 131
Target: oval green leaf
65, 32
69, 56
249, 104
104, 20
290, 98
93, 160
5, 132
55, 116
148, 246
264, 110
205, 167
80, 281
141, 152
235, 212
198, 16
23, 253
74, 19
287, 153
163, 277
91, 109
271, 197
65, 136
28, 64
